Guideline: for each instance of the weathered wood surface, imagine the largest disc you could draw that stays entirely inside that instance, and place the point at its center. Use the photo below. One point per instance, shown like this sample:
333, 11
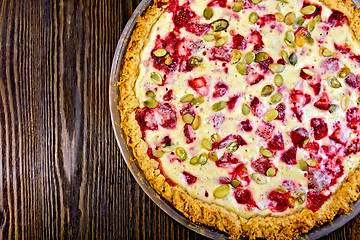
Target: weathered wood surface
61, 172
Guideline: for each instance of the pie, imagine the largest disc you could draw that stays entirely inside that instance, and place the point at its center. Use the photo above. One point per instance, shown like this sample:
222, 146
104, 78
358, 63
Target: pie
244, 114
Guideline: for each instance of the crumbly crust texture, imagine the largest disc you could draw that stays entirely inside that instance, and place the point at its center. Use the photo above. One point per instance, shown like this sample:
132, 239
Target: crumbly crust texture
270, 227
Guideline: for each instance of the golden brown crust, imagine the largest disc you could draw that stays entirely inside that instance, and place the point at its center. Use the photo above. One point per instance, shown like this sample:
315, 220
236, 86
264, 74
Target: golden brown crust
271, 227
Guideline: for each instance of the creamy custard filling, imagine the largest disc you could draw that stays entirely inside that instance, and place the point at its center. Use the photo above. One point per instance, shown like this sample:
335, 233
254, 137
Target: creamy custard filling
265, 164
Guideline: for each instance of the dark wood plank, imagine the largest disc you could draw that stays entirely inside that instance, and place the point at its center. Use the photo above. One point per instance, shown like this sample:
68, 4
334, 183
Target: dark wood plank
61, 173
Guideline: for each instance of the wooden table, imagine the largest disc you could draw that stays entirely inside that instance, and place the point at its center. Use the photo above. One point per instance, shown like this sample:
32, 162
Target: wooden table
61, 172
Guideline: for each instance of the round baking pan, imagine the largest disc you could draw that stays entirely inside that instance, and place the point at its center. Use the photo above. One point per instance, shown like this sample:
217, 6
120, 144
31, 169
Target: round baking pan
315, 233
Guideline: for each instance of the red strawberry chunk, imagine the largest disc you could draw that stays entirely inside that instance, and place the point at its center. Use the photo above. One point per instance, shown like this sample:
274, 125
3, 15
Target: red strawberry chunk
229, 139
188, 109
289, 185
298, 113
318, 180
232, 101
335, 167
253, 77
190, 179
189, 133
220, 53
167, 115
166, 141
281, 107
353, 117
312, 147
227, 160
240, 173
217, 120
298, 136
257, 107
265, 130
323, 102
353, 147
220, 89
343, 49
353, 80
197, 28
244, 196
262, 164
266, 63
305, 76
278, 202
168, 95
315, 200
199, 85
146, 119
298, 98
220, 3
339, 136
239, 42
256, 39
266, 19
224, 180
276, 143
337, 19
330, 150
289, 157
329, 65
182, 17
319, 127
246, 125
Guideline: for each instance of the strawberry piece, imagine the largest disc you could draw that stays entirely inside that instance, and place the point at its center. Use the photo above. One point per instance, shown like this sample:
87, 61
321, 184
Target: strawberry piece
256, 39
220, 53
281, 107
266, 63
159, 64
329, 65
343, 49
298, 136
188, 109
244, 196
305, 76
330, 150
312, 147
217, 120
353, 147
229, 139
265, 130
246, 125
299, 98
257, 107
353, 80
168, 95
355, 58
224, 180
318, 180
314, 14
315, 200
239, 42
339, 136
278, 202
166, 141
227, 160
262, 164
353, 117
267, 19
289, 185
199, 85
232, 101
289, 157
197, 28
276, 143
323, 102
146, 119
190, 179
298, 113
189, 133
320, 128
335, 167
253, 77
182, 17
240, 173
337, 19
167, 115
220, 89
220, 3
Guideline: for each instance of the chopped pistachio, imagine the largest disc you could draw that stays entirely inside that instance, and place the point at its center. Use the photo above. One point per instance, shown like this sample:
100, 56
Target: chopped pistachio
150, 94
276, 68
215, 137
220, 42
276, 98
245, 109
284, 56
188, 118
278, 80
241, 68
271, 172
309, 39
151, 103
206, 143
265, 152
195, 61
279, 17
317, 18
261, 56
158, 153
281, 190
258, 178
334, 82
196, 123
187, 98
160, 52
293, 59
332, 108
308, 10
235, 183
219, 106
222, 191
270, 115
181, 153
312, 162
344, 72
237, 6
253, 17
289, 18
306, 141
301, 198
168, 61
303, 166
194, 160
232, 147
267, 90
235, 56
256, 1
197, 100
326, 52
208, 37
219, 25
156, 78
290, 36
308, 72
208, 13
249, 57
213, 156
300, 21
203, 158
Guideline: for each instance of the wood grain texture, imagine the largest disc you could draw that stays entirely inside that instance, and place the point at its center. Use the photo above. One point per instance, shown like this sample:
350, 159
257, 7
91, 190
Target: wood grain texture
61, 172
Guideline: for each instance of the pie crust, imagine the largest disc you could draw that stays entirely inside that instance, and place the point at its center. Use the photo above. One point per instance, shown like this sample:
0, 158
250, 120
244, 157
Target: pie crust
269, 227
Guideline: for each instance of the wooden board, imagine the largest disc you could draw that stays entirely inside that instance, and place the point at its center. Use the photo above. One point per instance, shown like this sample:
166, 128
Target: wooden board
61, 172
